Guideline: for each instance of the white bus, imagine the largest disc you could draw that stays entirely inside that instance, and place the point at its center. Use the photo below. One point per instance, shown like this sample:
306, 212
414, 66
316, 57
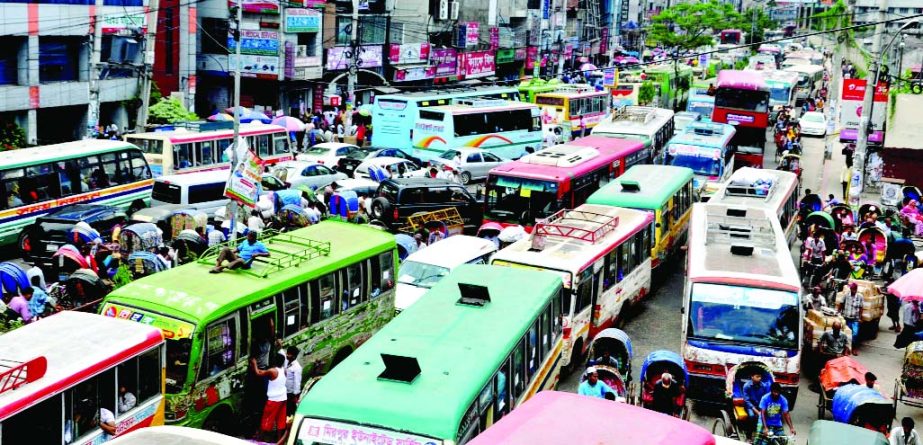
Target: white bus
603, 255
653, 126
35, 181
810, 80
741, 301
508, 129
184, 151
175, 435
776, 190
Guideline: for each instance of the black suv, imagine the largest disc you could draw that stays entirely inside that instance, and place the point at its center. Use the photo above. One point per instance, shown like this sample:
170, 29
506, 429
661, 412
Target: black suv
41, 239
399, 198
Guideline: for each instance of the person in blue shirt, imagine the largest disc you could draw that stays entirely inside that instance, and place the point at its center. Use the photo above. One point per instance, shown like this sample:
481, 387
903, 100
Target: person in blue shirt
773, 410
244, 255
592, 386
753, 392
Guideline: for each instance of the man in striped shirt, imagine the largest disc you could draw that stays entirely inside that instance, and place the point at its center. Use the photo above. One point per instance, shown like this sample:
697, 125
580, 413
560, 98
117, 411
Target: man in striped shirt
851, 309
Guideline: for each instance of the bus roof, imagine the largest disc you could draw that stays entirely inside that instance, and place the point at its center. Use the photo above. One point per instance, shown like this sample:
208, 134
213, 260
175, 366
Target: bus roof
175, 435
750, 186
804, 69
656, 184
189, 291
781, 76
734, 244
458, 347
572, 93
634, 120
705, 134
560, 417
569, 254
548, 165
179, 137
57, 152
486, 106
76, 345
741, 80
448, 93
203, 177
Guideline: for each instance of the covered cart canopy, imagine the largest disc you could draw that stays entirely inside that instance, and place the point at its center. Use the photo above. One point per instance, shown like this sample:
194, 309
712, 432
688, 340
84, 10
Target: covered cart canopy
825, 432
851, 398
668, 358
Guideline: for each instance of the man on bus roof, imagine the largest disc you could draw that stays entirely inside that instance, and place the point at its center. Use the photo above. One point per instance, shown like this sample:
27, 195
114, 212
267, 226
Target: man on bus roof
244, 255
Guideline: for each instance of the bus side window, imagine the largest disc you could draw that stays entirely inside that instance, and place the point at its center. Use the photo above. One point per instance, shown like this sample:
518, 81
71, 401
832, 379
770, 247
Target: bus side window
519, 365
585, 291
42, 185
351, 280
560, 309
533, 350
244, 337
386, 271
323, 298
610, 273
646, 239
182, 156
40, 423
110, 169
546, 329
502, 399
624, 261
221, 337
86, 402
293, 313
638, 247
205, 154
139, 167
264, 143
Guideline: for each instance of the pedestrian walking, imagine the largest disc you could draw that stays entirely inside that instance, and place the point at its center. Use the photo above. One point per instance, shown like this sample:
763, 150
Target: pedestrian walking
272, 425
851, 309
910, 316
894, 309
905, 434
845, 175
292, 378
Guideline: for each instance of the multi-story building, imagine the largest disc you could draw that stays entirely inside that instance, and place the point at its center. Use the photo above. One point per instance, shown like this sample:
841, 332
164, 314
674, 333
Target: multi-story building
866, 11
174, 68
47, 70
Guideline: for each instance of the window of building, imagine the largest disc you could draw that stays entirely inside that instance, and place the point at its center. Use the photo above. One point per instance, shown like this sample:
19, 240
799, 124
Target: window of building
371, 30
214, 39
9, 60
59, 59
310, 42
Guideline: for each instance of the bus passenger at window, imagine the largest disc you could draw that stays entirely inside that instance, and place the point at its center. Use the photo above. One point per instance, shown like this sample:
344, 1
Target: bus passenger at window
13, 199
127, 400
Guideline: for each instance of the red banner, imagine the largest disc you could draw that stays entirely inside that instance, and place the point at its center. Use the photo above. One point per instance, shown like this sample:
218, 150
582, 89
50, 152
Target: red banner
854, 89
476, 64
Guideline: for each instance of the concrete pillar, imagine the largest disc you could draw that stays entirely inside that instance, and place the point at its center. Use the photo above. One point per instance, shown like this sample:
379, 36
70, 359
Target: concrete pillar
32, 54
31, 127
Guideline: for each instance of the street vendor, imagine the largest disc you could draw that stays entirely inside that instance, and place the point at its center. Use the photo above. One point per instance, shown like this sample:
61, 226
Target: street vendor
834, 343
851, 310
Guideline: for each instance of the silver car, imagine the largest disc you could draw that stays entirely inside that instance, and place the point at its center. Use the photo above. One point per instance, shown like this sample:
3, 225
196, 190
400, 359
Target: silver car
310, 174
475, 162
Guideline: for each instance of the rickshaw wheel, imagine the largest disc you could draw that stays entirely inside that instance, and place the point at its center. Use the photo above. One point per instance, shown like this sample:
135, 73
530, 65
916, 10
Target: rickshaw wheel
684, 414
725, 422
821, 405
897, 393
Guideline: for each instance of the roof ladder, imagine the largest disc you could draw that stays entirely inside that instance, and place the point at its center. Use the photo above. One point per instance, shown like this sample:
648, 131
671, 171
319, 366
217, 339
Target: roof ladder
299, 250
723, 229
14, 374
565, 223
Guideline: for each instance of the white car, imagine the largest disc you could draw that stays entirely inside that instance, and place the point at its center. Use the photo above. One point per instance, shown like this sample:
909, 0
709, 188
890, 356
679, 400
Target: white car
396, 168
327, 153
309, 174
424, 268
475, 162
813, 123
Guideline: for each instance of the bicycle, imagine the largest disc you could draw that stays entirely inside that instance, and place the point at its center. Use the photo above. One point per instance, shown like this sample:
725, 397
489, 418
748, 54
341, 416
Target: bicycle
775, 440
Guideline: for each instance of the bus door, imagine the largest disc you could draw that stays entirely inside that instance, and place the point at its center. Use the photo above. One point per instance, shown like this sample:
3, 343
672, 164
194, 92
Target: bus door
599, 312
263, 329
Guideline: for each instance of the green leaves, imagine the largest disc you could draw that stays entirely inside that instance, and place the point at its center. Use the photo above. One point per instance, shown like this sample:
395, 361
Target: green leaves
169, 111
687, 26
11, 136
646, 92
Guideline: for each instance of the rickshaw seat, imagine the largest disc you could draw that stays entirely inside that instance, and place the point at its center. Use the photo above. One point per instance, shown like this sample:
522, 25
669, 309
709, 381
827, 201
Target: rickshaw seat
740, 412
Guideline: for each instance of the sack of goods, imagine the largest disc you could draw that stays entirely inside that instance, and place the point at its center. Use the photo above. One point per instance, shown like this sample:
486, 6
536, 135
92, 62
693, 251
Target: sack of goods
912, 373
873, 301
817, 322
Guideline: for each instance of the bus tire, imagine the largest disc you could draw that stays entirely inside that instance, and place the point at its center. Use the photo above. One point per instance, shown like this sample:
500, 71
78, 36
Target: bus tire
340, 356
24, 243
135, 206
221, 420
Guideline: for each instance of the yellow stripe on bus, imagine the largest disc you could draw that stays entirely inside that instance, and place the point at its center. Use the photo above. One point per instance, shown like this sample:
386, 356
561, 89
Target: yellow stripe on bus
47, 205
546, 368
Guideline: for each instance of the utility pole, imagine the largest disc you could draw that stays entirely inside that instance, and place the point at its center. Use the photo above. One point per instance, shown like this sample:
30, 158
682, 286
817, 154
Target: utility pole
837, 70
353, 64
148, 64
93, 110
871, 84
237, 113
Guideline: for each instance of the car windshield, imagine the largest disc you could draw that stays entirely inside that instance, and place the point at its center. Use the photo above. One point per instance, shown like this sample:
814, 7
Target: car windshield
450, 154
813, 117
318, 150
421, 274
746, 315
361, 153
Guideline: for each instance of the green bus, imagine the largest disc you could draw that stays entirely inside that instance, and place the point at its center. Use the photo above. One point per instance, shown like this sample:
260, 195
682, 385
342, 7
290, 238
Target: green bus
665, 190
325, 288
529, 89
670, 85
481, 342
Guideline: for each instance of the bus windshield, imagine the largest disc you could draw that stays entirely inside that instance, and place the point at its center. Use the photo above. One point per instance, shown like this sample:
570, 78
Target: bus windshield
757, 101
703, 108
521, 200
780, 93
701, 165
744, 315
325, 432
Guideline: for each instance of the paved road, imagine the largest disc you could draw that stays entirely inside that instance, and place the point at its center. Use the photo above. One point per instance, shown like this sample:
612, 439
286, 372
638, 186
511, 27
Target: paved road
657, 324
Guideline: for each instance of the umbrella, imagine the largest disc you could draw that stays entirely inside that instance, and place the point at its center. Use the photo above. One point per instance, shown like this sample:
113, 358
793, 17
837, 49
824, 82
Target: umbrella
255, 116
220, 117
243, 111
588, 67
290, 123
511, 234
909, 286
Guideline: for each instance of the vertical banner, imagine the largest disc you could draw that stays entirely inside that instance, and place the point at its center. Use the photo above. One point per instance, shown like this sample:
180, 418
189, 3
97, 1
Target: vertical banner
494, 38
243, 185
604, 41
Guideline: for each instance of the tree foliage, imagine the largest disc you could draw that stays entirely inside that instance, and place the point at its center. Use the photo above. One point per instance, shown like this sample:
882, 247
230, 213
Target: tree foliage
687, 26
763, 22
646, 93
12, 136
169, 111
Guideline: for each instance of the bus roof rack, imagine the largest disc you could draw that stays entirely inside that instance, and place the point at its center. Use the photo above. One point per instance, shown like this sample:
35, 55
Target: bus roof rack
14, 374
634, 114
286, 251
561, 156
577, 224
734, 226
754, 187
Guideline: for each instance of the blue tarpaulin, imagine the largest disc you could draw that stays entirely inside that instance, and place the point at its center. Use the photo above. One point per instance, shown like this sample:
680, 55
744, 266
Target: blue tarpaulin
850, 397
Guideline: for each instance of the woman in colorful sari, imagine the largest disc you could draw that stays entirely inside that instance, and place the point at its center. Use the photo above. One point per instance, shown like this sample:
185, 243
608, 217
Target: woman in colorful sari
911, 212
858, 260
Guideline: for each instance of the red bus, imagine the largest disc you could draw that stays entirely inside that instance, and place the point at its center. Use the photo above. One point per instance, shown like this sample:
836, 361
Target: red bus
62, 376
560, 177
742, 100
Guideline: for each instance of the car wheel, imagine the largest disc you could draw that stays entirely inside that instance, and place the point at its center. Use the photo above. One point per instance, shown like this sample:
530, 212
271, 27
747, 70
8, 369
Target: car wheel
381, 209
25, 243
466, 178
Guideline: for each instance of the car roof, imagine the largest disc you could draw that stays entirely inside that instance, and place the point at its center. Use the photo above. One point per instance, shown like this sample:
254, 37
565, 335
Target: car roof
196, 177
296, 164
422, 182
453, 251
332, 145
384, 160
80, 212
355, 182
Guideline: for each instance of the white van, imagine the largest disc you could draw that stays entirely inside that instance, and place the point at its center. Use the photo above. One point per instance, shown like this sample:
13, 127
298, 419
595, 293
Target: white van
203, 190
424, 268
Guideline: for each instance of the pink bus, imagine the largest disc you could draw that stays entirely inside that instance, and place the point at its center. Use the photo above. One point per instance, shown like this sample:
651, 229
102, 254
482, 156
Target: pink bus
62, 373
559, 417
560, 177
742, 100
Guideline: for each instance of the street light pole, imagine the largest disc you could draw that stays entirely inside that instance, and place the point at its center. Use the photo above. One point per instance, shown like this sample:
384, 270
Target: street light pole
237, 113
857, 180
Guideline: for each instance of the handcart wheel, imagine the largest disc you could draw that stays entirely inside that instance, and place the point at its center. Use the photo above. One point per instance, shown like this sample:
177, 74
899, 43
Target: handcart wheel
821, 405
719, 428
685, 412
897, 393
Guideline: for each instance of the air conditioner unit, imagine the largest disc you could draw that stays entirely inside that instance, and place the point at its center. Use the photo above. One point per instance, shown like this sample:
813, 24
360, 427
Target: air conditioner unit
443, 9
453, 10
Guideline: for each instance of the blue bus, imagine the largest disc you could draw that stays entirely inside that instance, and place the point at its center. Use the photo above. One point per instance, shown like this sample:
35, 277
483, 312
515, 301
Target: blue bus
705, 147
